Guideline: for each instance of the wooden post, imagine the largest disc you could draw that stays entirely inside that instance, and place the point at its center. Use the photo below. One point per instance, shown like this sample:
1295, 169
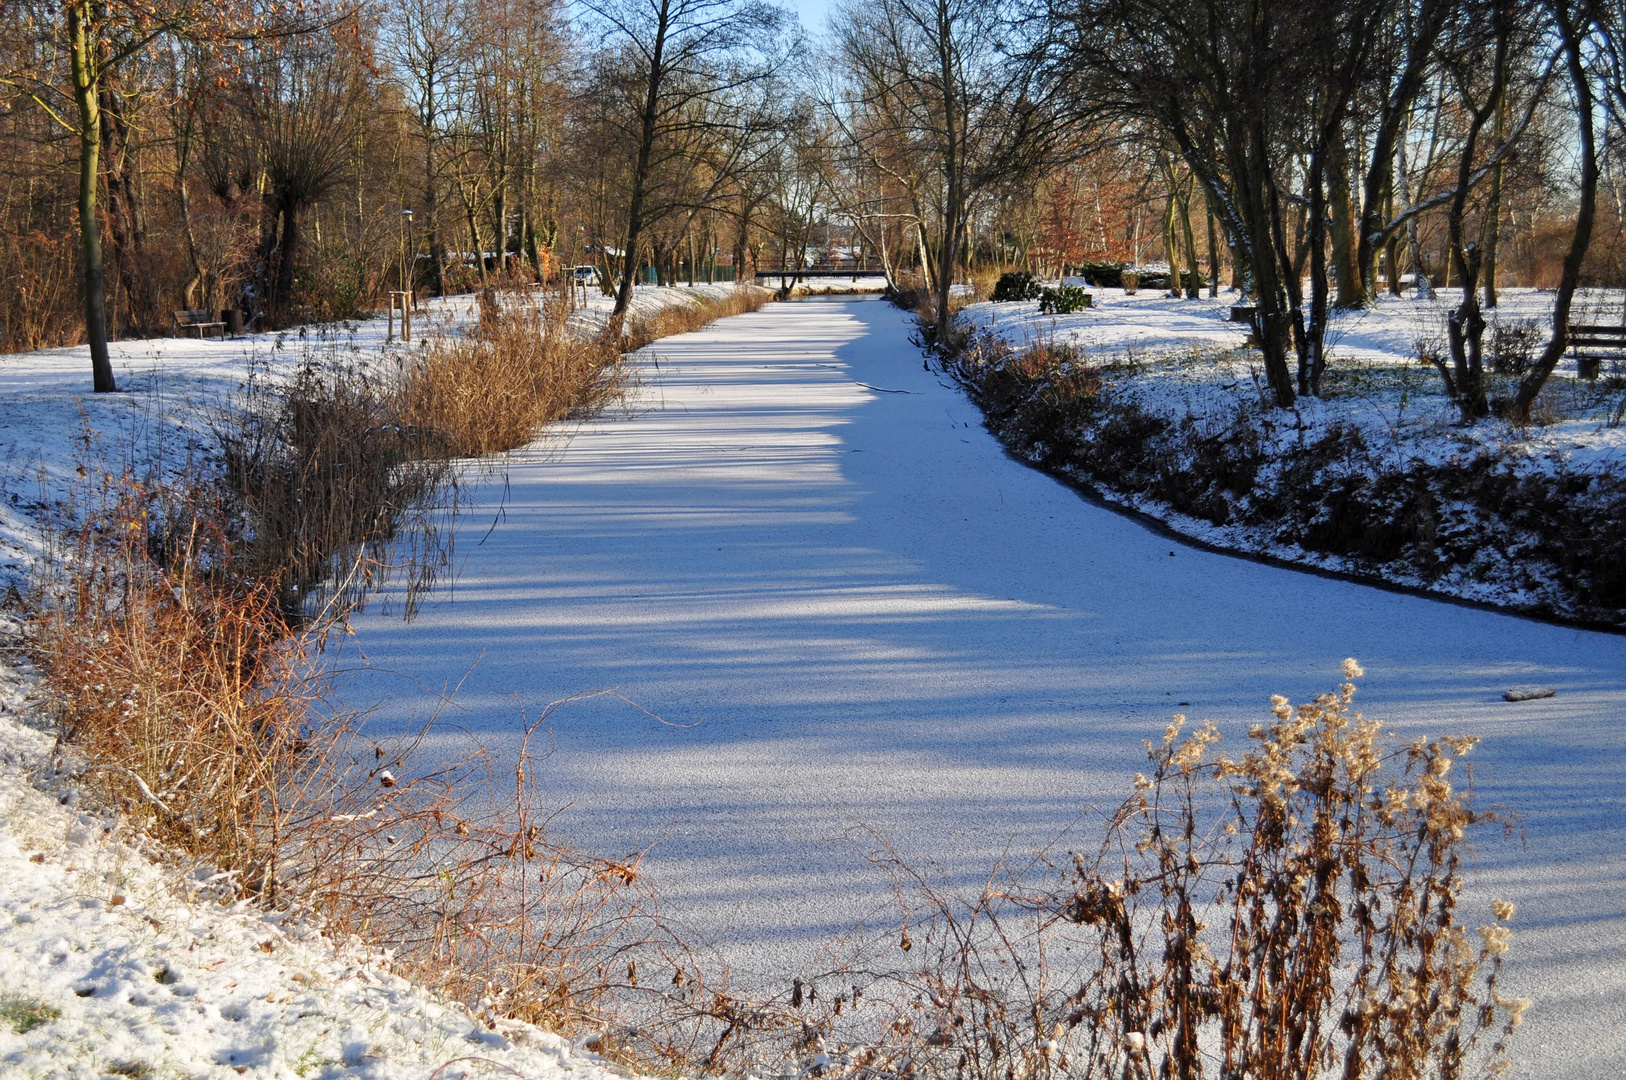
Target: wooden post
404, 299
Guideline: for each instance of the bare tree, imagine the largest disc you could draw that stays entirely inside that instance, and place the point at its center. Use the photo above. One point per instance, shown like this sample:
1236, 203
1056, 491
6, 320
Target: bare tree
1237, 86
285, 130
676, 66
423, 42
959, 87
1589, 33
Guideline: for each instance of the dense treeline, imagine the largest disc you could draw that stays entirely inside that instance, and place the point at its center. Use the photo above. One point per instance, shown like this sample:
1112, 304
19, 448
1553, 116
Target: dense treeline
296, 161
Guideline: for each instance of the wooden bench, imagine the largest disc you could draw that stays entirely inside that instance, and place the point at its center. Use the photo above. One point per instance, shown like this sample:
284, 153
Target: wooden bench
199, 321
1590, 345
1243, 313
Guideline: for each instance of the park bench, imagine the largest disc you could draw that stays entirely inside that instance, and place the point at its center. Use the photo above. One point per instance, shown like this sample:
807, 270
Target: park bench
1591, 344
199, 322
1594, 344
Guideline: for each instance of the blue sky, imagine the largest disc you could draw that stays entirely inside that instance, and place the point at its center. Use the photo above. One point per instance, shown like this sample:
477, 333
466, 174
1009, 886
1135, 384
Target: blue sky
811, 12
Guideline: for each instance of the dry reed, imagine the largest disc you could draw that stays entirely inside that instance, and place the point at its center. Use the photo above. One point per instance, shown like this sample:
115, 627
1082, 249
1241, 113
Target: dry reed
685, 318
494, 389
1287, 915
331, 492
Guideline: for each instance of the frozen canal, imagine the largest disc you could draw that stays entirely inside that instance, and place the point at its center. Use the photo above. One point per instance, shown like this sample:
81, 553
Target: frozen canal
806, 547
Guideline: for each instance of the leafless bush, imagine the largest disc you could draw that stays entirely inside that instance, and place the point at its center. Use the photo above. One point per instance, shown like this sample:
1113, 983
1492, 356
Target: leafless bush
333, 490
1290, 914
39, 294
1513, 343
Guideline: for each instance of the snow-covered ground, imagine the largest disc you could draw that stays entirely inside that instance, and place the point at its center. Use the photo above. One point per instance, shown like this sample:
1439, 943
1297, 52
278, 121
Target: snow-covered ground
175, 386
114, 965
805, 546
1375, 381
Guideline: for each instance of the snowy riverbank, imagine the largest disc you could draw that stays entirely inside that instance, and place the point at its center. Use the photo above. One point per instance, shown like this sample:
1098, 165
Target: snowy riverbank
172, 389
1155, 404
112, 963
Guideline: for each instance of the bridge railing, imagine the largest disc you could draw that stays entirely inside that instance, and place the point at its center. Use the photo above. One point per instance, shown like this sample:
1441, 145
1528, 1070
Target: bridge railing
823, 268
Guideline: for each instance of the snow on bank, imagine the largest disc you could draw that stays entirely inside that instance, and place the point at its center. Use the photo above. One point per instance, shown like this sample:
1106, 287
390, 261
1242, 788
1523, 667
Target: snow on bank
172, 388
1383, 418
1192, 361
111, 963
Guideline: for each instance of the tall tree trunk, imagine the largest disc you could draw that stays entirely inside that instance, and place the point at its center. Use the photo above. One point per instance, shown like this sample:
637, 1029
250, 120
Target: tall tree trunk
1465, 329
476, 239
1391, 250
742, 238
499, 223
1213, 253
1491, 230
1312, 355
125, 217
925, 260
1414, 246
85, 96
1586, 210
640, 173
287, 261
1346, 268
431, 219
200, 276
1193, 283
1171, 247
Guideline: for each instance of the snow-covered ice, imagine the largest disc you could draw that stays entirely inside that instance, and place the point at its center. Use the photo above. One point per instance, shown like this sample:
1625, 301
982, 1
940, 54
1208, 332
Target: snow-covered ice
803, 544
806, 546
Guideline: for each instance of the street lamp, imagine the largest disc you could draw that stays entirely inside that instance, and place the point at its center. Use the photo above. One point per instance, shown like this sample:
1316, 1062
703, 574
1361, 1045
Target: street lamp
410, 258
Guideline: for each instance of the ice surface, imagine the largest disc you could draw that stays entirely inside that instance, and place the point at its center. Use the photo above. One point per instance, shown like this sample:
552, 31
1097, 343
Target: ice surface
878, 621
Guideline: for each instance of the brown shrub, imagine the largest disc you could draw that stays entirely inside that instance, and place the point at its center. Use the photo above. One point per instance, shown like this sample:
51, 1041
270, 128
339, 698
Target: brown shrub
494, 389
1290, 914
685, 318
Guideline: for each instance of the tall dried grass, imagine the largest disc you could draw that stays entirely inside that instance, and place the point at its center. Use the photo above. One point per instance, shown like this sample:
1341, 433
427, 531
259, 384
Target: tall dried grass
523, 368
331, 491
685, 318
1290, 914
526, 367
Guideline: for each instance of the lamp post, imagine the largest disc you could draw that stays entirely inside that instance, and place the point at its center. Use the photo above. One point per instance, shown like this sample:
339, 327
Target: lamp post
409, 263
